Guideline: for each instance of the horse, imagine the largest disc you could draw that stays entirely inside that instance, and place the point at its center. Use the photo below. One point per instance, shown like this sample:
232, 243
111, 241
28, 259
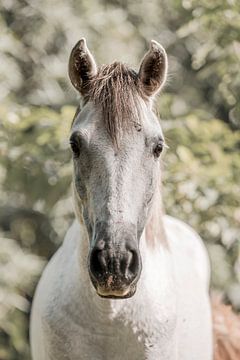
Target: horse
128, 282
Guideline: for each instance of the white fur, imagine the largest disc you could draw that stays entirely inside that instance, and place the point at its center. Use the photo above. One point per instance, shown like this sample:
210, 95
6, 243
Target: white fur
168, 318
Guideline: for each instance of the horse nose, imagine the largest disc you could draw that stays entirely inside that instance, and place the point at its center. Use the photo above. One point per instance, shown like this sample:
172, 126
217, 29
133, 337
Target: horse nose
122, 266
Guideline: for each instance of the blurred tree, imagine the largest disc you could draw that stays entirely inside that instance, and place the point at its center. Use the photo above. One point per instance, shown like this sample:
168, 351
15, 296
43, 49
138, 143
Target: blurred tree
201, 186
202, 39
19, 272
211, 36
201, 181
32, 229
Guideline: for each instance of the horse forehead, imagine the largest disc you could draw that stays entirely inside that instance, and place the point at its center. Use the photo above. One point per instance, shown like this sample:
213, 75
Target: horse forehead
86, 119
89, 121
150, 120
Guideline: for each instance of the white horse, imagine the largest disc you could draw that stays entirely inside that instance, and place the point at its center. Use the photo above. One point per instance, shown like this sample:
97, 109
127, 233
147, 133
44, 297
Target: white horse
128, 283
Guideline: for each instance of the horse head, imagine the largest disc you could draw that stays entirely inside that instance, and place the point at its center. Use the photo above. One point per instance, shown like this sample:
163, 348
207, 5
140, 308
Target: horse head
116, 141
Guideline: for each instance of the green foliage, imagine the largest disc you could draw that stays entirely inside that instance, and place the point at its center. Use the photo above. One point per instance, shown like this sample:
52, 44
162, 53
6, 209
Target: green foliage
212, 35
36, 141
202, 188
201, 168
201, 37
19, 272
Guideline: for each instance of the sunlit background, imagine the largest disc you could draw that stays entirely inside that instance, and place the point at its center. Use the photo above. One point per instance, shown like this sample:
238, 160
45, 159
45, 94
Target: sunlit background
200, 114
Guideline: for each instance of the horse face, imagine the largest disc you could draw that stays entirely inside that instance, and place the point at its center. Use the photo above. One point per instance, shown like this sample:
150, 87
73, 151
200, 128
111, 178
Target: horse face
114, 182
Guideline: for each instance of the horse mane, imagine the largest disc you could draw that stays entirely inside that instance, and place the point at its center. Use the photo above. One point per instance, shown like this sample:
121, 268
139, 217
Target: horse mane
115, 91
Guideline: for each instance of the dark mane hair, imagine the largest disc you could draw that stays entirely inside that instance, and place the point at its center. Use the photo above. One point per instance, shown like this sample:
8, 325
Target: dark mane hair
115, 91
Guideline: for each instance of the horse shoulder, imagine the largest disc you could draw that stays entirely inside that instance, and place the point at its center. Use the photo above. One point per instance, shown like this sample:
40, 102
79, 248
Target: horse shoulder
188, 248
192, 271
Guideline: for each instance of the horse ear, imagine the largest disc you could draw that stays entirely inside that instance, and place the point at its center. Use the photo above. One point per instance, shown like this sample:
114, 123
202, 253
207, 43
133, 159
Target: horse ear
153, 69
81, 67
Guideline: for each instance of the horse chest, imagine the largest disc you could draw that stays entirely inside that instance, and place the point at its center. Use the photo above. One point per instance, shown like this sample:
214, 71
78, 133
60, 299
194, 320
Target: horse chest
115, 340
106, 344
120, 334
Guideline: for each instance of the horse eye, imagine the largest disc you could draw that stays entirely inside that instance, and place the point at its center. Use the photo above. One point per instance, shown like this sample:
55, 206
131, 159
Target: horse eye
75, 145
158, 149
75, 148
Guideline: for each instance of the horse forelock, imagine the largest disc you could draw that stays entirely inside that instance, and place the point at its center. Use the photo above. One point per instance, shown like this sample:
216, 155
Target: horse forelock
115, 91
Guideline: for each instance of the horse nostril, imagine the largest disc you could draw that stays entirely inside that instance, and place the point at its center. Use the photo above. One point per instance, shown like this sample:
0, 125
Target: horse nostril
133, 265
123, 266
129, 265
125, 263
98, 264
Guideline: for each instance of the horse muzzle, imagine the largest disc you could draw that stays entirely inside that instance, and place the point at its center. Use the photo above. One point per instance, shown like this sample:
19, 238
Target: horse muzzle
115, 268
116, 293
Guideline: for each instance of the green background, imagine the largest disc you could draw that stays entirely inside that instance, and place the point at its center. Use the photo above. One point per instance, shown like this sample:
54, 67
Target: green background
200, 114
